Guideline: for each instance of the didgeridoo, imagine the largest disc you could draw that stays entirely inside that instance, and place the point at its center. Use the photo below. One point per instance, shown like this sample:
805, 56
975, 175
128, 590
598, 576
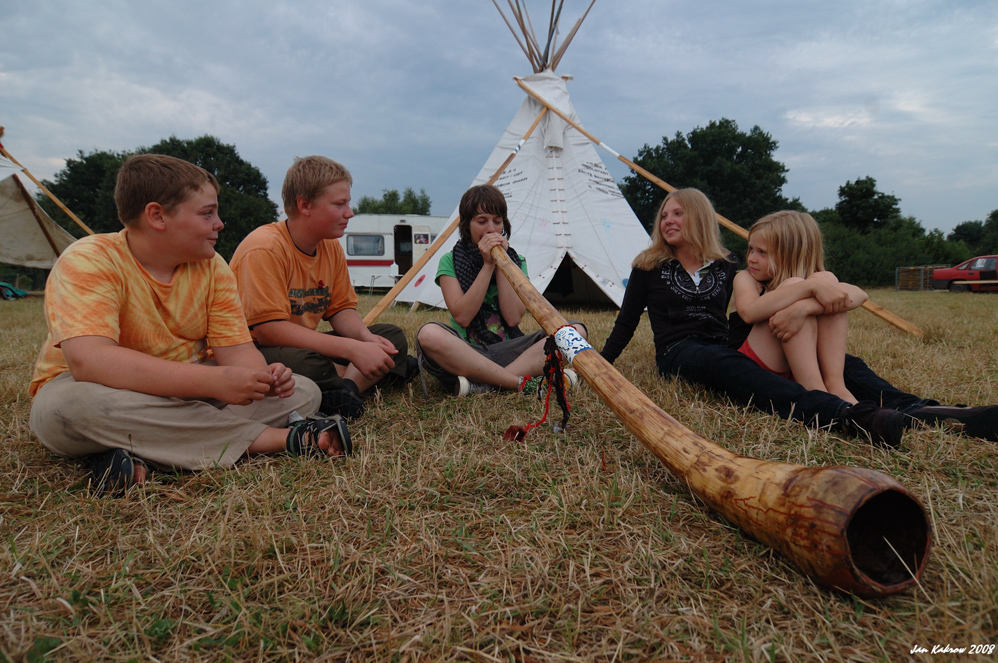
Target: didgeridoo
847, 528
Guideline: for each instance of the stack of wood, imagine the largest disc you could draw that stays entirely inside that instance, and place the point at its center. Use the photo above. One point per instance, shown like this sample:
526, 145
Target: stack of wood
915, 278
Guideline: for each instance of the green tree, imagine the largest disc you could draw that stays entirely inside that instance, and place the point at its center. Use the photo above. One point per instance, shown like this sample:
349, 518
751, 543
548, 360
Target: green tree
86, 186
971, 233
872, 258
864, 208
980, 237
242, 198
392, 203
736, 170
989, 243
940, 251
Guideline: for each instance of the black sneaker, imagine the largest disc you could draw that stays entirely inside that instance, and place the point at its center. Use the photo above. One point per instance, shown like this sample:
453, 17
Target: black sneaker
981, 421
879, 425
113, 471
342, 402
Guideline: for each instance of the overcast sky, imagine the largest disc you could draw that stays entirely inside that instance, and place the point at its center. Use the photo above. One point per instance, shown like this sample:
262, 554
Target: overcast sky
417, 94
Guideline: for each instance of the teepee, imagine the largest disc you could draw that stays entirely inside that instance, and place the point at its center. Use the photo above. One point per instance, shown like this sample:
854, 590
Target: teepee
30, 237
569, 218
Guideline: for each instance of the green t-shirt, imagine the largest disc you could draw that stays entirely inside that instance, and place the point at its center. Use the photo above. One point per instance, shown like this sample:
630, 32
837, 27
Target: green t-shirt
491, 302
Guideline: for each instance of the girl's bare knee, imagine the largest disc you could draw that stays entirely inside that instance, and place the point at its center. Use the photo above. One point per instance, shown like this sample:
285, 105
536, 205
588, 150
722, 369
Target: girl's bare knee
431, 337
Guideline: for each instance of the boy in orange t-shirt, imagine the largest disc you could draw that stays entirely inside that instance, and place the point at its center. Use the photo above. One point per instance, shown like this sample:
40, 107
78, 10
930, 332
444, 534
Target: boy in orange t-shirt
293, 275
148, 358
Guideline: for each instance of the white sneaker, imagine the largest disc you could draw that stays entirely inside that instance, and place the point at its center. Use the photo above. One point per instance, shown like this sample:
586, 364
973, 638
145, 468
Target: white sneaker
466, 387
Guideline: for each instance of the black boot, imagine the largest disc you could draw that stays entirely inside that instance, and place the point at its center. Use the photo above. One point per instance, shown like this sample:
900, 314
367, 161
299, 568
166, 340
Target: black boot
981, 421
879, 425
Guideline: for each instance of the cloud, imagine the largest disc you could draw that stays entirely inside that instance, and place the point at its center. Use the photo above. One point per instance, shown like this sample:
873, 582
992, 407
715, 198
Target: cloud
829, 118
418, 94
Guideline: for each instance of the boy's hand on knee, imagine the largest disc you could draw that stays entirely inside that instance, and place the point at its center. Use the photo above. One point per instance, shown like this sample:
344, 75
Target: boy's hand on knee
241, 386
385, 344
283, 381
373, 361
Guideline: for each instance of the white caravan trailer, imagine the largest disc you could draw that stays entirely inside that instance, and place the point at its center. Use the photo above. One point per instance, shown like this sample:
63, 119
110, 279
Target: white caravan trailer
381, 248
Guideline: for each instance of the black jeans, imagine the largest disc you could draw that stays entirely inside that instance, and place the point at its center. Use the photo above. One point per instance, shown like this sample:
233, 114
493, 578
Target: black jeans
322, 369
731, 373
866, 385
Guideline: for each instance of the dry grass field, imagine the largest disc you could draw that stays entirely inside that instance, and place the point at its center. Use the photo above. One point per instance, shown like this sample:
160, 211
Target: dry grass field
442, 541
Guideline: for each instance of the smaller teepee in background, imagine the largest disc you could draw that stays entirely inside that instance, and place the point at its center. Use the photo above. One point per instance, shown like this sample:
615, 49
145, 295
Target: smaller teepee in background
568, 216
30, 237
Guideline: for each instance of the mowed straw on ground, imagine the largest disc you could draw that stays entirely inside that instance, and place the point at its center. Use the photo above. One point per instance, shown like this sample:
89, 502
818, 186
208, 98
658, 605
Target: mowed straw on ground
442, 541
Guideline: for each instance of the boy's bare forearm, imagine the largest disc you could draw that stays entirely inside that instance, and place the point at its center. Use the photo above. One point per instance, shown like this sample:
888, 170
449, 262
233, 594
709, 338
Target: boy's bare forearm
369, 354
288, 334
100, 360
244, 354
348, 324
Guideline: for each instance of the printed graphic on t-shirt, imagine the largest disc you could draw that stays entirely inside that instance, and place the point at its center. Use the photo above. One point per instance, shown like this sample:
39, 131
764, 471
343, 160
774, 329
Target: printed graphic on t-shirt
681, 283
312, 300
495, 326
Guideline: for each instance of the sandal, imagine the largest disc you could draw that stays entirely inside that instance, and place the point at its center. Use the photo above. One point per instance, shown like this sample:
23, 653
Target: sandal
303, 435
113, 471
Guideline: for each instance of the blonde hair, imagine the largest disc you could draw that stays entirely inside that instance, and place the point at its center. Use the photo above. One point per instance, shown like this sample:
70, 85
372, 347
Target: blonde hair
793, 242
700, 230
156, 178
308, 178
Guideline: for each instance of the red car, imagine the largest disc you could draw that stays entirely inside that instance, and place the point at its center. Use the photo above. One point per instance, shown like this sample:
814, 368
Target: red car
981, 268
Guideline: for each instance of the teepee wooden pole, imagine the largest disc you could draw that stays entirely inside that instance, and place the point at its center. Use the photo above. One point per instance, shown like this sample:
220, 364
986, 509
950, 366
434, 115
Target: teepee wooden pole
43, 188
556, 59
515, 35
850, 529
878, 311
389, 298
528, 34
528, 30
552, 31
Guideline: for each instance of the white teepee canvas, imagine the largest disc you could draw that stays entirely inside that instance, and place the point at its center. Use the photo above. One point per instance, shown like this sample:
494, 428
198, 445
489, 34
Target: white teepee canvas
28, 236
568, 216
562, 203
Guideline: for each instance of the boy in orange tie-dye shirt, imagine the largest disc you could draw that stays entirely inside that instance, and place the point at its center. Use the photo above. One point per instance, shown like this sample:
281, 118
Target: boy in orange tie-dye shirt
148, 359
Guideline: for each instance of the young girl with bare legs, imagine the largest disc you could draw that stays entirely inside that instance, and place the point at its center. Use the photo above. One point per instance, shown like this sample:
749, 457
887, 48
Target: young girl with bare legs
798, 311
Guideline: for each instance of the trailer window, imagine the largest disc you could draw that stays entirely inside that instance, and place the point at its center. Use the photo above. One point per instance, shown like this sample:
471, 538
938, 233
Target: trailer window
365, 245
